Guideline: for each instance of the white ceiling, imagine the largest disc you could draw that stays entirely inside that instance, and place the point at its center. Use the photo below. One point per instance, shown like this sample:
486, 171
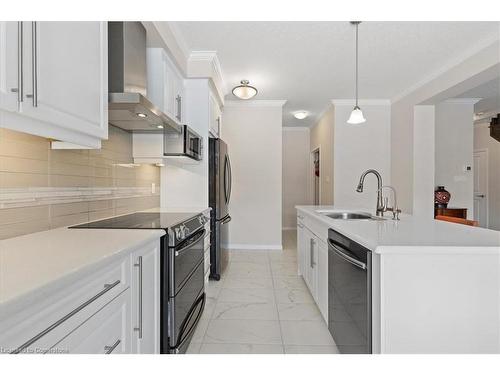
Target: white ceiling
310, 63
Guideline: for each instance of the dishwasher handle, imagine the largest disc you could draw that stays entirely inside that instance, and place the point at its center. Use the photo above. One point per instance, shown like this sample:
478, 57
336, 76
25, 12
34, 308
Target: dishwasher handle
345, 256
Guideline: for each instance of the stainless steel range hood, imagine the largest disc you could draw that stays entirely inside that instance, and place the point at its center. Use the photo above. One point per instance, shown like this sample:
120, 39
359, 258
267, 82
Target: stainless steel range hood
128, 106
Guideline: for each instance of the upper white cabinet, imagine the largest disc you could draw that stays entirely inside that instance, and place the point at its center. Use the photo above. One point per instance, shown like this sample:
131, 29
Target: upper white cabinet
54, 79
165, 84
215, 117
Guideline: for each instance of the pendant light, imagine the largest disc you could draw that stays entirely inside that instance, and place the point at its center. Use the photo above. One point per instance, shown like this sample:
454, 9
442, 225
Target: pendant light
356, 116
244, 91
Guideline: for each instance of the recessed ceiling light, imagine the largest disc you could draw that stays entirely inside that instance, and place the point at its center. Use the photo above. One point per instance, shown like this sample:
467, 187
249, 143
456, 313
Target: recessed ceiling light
301, 115
244, 91
140, 114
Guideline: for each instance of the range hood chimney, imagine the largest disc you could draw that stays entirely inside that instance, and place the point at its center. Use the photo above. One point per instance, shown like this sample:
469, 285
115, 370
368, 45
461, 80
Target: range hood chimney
128, 106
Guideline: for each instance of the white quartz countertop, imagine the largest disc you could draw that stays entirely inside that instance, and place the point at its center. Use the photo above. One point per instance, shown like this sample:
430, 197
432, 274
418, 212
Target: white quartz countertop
36, 262
410, 234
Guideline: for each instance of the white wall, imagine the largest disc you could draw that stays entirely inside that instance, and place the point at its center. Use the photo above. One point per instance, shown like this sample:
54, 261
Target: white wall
481, 64
253, 132
358, 148
454, 151
185, 186
322, 137
424, 157
482, 140
295, 173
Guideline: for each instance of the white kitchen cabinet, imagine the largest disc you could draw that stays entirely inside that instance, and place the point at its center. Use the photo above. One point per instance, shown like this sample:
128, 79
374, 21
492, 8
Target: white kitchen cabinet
106, 332
311, 269
312, 257
60, 80
165, 84
215, 117
322, 286
145, 285
95, 312
8, 66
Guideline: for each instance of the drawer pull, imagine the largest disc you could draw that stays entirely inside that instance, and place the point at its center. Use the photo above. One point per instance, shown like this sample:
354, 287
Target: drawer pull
107, 288
108, 349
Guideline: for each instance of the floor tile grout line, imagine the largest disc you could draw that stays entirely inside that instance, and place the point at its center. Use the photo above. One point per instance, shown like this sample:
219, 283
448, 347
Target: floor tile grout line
276, 305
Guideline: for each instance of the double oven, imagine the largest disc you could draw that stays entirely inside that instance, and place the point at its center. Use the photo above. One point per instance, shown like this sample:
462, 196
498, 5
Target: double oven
182, 289
182, 292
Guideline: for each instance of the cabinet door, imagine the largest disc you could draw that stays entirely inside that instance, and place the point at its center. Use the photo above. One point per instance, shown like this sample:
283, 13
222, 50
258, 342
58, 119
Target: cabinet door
215, 116
146, 300
322, 268
65, 75
9, 84
301, 248
106, 332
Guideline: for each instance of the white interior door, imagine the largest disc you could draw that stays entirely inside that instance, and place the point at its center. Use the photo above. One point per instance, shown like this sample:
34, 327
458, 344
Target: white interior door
481, 187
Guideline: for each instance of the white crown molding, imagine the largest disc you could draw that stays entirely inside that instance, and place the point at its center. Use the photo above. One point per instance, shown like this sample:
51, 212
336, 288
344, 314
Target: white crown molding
255, 103
361, 102
206, 64
181, 42
462, 100
296, 128
481, 45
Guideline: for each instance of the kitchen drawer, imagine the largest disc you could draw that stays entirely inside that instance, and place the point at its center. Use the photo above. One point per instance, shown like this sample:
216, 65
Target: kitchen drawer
39, 326
106, 332
317, 227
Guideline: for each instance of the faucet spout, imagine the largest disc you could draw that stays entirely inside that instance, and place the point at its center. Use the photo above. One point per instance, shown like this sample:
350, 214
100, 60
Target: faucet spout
359, 189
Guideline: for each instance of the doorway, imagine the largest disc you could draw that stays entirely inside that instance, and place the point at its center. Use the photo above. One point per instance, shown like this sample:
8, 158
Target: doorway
315, 177
481, 187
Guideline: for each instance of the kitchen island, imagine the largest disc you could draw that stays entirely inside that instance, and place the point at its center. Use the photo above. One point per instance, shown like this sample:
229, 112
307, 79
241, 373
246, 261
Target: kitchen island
435, 286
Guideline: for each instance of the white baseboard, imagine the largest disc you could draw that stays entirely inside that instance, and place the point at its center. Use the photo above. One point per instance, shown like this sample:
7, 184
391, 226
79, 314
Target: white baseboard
289, 228
251, 247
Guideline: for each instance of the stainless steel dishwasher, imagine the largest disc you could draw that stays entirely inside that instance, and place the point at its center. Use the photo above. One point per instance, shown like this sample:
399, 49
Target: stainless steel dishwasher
349, 294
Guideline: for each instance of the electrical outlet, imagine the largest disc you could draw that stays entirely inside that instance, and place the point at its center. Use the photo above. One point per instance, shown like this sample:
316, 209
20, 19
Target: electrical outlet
153, 188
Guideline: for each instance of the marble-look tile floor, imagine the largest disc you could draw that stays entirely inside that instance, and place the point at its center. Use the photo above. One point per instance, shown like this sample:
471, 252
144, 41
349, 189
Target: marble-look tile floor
262, 306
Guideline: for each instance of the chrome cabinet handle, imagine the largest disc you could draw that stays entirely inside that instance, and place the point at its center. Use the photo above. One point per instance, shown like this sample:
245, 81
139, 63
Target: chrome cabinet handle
20, 60
311, 252
480, 195
218, 125
108, 349
107, 288
346, 257
139, 264
34, 63
178, 98
300, 225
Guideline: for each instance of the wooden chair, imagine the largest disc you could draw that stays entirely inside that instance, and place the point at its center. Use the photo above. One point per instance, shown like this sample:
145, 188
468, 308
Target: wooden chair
457, 220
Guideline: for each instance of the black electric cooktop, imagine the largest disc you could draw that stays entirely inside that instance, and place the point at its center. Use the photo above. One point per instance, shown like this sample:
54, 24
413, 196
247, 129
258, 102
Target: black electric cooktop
140, 220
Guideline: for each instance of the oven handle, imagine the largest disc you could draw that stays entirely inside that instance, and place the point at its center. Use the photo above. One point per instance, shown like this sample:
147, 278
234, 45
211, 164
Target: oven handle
346, 257
191, 243
201, 299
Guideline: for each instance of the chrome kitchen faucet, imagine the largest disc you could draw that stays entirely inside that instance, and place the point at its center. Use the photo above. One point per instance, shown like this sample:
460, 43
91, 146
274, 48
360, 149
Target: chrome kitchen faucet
381, 206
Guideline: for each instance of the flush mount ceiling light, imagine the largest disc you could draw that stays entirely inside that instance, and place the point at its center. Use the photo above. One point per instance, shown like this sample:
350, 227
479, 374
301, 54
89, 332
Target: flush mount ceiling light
356, 116
159, 126
244, 91
300, 115
140, 114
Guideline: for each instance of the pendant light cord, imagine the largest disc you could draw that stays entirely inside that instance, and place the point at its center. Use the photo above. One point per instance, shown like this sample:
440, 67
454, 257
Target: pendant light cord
357, 24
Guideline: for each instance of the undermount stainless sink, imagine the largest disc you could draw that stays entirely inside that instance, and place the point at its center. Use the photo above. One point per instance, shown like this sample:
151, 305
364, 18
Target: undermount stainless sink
350, 216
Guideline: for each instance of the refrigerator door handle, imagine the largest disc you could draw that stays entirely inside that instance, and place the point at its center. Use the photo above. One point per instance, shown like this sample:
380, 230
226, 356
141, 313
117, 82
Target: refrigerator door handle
226, 184
230, 179
226, 220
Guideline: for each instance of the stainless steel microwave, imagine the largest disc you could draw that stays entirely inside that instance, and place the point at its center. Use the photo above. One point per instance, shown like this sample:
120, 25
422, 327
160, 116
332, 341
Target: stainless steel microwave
187, 143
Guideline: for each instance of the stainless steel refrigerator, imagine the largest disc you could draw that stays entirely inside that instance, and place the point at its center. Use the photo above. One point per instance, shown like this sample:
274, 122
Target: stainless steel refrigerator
219, 195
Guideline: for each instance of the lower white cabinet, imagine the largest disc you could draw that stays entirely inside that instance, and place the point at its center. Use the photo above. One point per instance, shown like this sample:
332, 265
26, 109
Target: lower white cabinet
113, 309
145, 285
312, 259
106, 332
